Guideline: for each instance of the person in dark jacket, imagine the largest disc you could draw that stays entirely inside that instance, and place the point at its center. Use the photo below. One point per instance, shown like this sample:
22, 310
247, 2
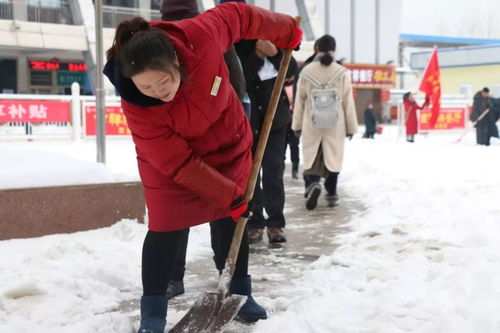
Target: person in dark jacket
370, 122
192, 139
261, 60
486, 127
176, 10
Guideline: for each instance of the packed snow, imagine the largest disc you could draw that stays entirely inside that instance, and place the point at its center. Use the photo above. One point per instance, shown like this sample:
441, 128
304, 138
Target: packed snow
424, 256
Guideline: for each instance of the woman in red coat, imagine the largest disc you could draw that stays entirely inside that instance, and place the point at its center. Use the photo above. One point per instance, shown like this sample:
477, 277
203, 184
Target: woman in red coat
192, 138
411, 108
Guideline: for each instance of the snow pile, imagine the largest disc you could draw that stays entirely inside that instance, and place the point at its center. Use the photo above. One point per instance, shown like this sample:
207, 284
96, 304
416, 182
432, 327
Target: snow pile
39, 164
70, 283
424, 257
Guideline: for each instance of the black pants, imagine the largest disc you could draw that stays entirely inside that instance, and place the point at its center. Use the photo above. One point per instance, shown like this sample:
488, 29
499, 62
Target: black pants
330, 182
482, 133
293, 141
162, 251
270, 191
179, 266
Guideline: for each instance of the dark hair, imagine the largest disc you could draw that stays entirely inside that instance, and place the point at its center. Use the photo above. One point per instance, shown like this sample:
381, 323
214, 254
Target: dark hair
486, 90
406, 96
138, 47
326, 44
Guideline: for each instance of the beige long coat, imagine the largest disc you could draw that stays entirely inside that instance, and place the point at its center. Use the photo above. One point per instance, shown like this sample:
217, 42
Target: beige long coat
331, 139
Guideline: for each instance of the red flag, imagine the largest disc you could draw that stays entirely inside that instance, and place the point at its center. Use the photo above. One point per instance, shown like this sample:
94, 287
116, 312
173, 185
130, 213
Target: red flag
431, 86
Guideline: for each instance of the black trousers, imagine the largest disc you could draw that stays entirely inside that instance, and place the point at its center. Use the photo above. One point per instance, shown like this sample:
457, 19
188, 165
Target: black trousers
482, 133
293, 141
163, 251
270, 191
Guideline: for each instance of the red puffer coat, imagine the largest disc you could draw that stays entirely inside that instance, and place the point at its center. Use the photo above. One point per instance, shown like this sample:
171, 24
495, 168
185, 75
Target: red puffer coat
411, 108
194, 152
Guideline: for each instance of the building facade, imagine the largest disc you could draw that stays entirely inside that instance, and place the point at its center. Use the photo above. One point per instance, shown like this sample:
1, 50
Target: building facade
465, 69
47, 45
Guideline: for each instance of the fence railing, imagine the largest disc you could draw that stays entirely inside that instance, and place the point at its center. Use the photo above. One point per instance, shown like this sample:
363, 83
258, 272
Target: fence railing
113, 15
59, 12
43, 11
24, 116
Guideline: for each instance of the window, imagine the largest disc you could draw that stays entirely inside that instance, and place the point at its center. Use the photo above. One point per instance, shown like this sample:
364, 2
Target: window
8, 75
41, 78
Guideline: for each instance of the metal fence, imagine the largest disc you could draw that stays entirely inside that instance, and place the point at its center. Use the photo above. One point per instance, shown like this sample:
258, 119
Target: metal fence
43, 11
74, 129
113, 15
59, 12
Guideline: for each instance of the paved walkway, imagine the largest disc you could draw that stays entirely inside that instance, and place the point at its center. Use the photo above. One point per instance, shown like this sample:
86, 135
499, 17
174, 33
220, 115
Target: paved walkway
310, 234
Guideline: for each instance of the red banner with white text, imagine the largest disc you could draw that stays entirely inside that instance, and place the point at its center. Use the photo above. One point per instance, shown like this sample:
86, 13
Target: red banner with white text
372, 76
116, 123
448, 118
34, 111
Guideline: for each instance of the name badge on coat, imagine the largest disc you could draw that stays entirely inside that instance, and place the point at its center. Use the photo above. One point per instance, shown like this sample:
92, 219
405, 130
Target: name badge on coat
216, 86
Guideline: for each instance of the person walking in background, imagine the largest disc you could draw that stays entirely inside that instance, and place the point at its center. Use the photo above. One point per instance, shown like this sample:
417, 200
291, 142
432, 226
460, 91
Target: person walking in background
324, 115
176, 10
411, 121
370, 122
486, 127
192, 139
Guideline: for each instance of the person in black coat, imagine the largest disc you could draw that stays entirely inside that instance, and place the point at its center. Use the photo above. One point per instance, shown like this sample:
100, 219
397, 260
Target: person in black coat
485, 127
261, 60
370, 122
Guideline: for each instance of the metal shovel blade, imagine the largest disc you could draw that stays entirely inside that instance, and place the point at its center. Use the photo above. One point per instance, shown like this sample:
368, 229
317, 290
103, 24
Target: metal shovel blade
210, 313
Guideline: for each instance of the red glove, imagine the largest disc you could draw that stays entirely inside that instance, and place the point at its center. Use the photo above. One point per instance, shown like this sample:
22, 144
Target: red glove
297, 39
239, 208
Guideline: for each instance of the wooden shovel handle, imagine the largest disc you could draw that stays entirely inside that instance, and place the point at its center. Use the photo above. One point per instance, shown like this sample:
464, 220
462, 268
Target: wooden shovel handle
257, 161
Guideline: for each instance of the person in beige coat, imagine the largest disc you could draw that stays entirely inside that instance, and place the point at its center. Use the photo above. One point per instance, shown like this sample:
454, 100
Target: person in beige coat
324, 134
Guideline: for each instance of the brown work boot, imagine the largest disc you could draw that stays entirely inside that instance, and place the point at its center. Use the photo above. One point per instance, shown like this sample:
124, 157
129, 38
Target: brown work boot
255, 235
276, 235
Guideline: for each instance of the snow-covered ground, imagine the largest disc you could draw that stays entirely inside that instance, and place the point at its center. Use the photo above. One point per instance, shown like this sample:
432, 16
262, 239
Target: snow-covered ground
423, 257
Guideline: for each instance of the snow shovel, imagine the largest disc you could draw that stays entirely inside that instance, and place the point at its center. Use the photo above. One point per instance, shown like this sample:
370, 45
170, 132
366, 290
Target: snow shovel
213, 310
473, 125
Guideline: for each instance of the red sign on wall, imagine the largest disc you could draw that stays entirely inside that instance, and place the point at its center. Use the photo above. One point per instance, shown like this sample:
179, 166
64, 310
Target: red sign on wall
34, 111
449, 118
116, 123
372, 76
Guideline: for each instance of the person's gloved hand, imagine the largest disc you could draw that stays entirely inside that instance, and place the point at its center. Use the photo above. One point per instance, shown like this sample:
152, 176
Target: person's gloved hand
239, 208
349, 136
427, 101
297, 134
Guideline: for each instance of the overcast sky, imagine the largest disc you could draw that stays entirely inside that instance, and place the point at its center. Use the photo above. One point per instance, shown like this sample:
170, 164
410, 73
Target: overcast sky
457, 18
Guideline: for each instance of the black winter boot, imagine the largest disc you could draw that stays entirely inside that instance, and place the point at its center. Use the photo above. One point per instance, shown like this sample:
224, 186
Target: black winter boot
153, 314
312, 195
250, 311
331, 200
